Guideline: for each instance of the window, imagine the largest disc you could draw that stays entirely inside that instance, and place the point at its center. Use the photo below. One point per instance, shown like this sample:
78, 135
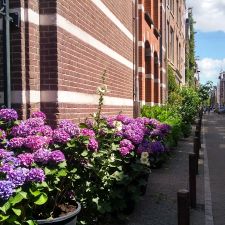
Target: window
171, 44
168, 39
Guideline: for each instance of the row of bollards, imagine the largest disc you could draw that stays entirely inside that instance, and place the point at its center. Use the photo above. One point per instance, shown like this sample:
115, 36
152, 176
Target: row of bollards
187, 198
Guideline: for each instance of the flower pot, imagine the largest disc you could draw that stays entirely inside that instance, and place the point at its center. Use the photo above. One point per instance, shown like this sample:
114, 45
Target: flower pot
69, 219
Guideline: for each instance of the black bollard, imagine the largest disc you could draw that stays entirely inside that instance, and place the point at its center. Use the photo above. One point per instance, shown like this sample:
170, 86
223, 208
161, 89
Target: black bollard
183, 210
198, 135
192, 179
196, 151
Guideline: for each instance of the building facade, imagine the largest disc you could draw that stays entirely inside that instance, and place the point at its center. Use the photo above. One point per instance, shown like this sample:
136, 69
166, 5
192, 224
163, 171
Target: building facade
149, 52
61, 50
221, 89
176, 37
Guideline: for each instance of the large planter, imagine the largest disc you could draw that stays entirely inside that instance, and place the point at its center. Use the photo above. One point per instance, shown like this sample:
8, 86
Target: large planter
69, 219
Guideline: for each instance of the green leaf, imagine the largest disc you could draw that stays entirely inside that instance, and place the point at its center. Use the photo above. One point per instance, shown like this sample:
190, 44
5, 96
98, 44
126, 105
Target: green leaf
17, 211
18, 198
63, 164
5, 207
62, 173
42, 199
31, 222
3, 217
84, 153
35, 193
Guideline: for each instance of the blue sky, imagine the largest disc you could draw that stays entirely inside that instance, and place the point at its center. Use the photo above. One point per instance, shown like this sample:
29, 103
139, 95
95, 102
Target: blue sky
210, 37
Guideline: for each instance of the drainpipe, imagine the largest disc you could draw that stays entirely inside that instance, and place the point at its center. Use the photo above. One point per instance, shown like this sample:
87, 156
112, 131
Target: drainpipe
136, 63
6, 54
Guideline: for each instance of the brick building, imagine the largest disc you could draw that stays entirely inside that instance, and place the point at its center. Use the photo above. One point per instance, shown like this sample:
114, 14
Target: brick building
149, 52
175, 11
61, 50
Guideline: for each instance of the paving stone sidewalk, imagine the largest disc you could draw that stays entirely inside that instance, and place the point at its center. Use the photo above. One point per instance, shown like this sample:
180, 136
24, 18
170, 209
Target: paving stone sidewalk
159, 205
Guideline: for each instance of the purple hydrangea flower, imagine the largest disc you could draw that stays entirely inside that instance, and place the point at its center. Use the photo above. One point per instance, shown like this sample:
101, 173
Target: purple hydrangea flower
93, 144
6, 168
38, 114
156, 133
87, 132
2, 134
164, 128
5, 154
6, 189
70, 128
22, 130
134, 132
14, 161
36, 175
157, 147
126, 147
26, 159
18, 176
145, 146
43, 130
60, 136
42, 156
154, 123
56, 156
36, 142
16, 142
124, 151
8, 114
89, 123
34, 122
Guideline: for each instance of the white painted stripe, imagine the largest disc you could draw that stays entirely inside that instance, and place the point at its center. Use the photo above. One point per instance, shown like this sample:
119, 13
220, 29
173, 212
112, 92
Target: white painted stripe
163, 70
113, 18
64, 97
141, 70
141, 7
141, 44
150, 103
142, 102
88, 39
157, 80
149, 76
163, 85
28, 15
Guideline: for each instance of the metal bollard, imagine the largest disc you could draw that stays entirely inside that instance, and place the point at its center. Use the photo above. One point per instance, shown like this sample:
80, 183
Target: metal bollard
183, 210
196, 152
198, 135
192, 179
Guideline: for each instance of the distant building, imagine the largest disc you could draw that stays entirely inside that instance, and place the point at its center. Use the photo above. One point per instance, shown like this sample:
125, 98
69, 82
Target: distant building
176, 37
221, 87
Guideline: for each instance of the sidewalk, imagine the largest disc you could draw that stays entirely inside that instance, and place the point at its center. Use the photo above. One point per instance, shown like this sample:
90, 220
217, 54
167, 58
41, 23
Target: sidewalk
159, 205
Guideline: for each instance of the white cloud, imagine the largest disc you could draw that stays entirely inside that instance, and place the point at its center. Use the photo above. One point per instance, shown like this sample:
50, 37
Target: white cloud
209, 14
210, 69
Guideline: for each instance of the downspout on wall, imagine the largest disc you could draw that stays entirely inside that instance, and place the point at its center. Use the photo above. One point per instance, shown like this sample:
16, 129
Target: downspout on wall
136, 111
6, 54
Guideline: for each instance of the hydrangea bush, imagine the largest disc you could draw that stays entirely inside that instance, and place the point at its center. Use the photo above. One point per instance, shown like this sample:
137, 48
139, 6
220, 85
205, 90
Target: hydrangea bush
102, 162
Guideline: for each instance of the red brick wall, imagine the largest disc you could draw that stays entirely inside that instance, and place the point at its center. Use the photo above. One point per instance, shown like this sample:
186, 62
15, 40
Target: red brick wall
47, 58
149, 90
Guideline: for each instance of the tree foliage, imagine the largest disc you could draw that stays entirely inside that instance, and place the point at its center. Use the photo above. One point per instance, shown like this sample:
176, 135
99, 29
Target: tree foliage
190, 55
